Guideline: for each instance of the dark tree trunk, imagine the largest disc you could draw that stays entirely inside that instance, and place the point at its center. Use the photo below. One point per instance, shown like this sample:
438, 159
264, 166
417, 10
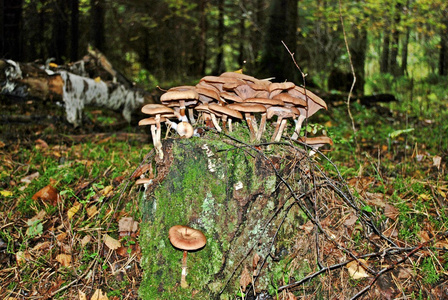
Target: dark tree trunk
242, 41
394, 68
219, 68
384, 60
97, 24
282, 26
203, 38
58, 47
11, 29
358, 49
443, 55
74, 30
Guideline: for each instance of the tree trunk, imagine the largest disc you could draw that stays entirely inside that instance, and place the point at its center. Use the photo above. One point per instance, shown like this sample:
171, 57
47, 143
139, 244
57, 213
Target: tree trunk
242, 40
58, 49
74, 30
443, 55
234, 199
358, 49
282, 26
11, 29
384, 60
203, 37
219, 68
394, 68
97, 24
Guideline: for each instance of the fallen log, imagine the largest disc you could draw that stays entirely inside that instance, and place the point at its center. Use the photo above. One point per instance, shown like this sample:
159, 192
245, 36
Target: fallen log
31, 80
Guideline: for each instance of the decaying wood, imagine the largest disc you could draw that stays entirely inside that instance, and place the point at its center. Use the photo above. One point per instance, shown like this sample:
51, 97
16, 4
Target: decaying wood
77, 85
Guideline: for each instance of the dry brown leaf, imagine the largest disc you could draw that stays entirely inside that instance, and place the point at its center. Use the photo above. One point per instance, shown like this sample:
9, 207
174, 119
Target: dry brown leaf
85, 240
29, 178
245, 278
41, 144
436, 160
307, 227
91, 211
391, 212
61, 237
39, 217
111, 242
42, 246
375, 199
64, 259
142, 170
404, 273
107, 191
351, 220
424, 236
22, 257
98, 295
81, 295
255, 261
357, 271
127, 224
47, 194
73, 210
290, 296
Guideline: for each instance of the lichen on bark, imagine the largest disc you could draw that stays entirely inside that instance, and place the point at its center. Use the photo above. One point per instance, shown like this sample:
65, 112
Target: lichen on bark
228, 194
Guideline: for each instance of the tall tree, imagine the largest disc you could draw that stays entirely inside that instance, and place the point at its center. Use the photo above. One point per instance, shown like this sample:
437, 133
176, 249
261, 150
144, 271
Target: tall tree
74, 29
11, 29
393, 67
97, 16
219, 67
282, 26
443, 54
58, 46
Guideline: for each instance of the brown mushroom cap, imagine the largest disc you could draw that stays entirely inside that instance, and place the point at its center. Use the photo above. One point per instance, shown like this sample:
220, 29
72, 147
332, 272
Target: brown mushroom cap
248, 107
150, 121
187, 94
318, 140
265, 101
186, 238
156, 109
225, 110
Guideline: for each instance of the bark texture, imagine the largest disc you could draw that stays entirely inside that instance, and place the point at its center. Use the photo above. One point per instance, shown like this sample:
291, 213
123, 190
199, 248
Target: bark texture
234, 199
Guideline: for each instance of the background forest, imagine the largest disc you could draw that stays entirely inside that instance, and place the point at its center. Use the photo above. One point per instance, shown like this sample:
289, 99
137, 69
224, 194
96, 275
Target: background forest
177, 40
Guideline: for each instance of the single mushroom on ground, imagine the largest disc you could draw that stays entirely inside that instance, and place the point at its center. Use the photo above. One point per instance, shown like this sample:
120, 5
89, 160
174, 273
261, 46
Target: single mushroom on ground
187, 239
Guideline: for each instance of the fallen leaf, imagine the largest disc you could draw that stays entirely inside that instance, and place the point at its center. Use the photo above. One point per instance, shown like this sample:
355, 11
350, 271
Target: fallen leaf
81, 295
436, 161
38, 217
391, 212
22, 257
255, 261
245, 278
73, 210
42, 246
29, 178
61, 237
85, 240
91, 211
47, 194
424, 236
110, 242
5, 193
107, 191
142, 170
424, 197
64, 259
127, 224
290, 296
41, 144
375, 199
98, 295
351, 220
307, 227
357, 271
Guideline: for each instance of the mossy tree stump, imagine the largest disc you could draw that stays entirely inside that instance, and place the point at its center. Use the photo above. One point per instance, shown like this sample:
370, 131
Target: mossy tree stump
234, 198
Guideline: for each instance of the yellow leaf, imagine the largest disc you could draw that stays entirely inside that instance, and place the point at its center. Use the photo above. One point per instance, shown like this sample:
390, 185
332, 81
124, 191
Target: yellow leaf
72, 211
442, 193
355, 270
240, 71
111, 242
53, 65
107, 191
6, 193
424, 197
81, 295
91, 211
97, 79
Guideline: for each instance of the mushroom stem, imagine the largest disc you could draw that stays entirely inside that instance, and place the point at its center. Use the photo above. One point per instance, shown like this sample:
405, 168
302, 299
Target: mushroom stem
224, 122
298, 127
230, 124
191, 116
277, 129
282, 127
262, 127
250, 125
215, 123
183, 281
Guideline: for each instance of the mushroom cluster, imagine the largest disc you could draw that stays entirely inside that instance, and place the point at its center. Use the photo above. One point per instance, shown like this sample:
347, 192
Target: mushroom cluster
220, 100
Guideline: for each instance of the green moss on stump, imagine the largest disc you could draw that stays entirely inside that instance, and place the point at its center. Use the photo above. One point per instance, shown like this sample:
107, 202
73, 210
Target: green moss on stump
220, 190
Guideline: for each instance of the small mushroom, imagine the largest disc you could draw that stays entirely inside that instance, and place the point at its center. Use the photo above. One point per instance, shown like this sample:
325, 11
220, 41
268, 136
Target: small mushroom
227, 114
316, 142
155, 132
248, 109
282, 114
187, 239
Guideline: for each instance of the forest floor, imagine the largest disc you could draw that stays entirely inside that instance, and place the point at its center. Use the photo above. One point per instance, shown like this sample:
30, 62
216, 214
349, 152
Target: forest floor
67, 213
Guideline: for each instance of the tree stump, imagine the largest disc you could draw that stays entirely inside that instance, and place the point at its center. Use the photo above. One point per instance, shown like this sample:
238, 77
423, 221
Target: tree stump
235, 199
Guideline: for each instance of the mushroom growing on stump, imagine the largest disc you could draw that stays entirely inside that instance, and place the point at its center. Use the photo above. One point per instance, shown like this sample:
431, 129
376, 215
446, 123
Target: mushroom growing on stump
249, 109
187, 239
183, 97
227, 114
316, 142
